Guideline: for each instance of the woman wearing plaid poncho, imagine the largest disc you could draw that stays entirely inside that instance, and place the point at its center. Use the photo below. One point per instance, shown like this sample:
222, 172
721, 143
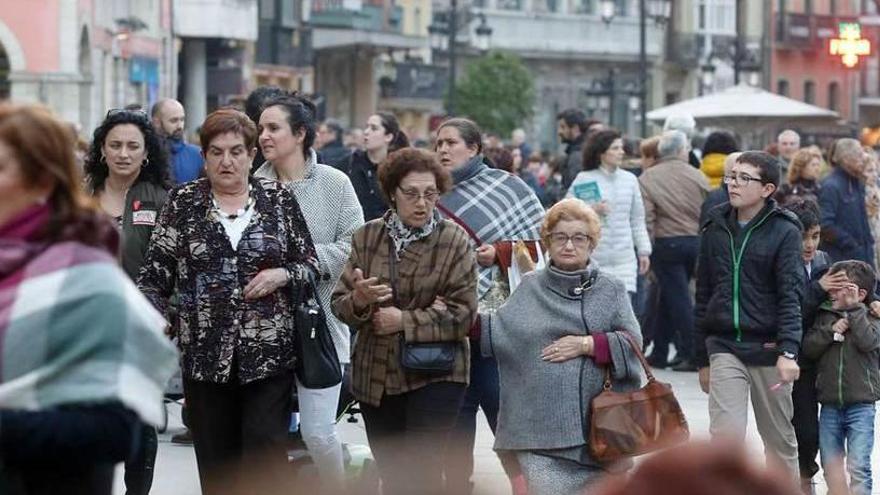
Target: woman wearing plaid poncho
82, 354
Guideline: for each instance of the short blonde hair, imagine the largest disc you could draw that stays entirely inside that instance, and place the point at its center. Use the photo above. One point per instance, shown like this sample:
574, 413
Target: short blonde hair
573, 210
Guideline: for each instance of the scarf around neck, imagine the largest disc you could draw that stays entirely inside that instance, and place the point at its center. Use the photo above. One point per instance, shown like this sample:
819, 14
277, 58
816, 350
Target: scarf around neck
17, 246
403, 235
473, 167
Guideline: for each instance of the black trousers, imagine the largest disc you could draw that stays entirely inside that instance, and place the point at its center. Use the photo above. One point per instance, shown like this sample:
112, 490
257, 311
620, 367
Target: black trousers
408, 435
806, 420
483, 392
139, 467
239, 433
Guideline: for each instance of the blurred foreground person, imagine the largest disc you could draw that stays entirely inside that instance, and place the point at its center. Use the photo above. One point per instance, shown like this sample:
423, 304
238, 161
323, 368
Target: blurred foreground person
230, 247
701, 469
83, 352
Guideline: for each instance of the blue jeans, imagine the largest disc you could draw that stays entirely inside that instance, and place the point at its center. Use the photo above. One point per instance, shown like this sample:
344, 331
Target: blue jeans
673, 262
847, 432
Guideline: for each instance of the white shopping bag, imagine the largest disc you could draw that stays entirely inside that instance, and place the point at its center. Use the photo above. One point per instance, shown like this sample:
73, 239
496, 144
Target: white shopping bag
515, 272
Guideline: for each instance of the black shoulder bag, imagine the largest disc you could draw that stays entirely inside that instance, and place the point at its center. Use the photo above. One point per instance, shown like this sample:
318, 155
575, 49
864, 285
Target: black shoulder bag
427, 358
317, 365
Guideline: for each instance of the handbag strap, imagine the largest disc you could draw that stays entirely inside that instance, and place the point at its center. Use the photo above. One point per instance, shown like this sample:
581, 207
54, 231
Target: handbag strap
460, 222
392, 272
639, 354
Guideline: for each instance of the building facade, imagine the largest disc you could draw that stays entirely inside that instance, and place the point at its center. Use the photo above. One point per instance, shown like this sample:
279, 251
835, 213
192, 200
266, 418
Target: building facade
83, 57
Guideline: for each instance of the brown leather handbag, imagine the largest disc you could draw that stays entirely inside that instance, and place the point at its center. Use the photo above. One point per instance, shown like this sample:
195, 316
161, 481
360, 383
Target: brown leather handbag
627, 424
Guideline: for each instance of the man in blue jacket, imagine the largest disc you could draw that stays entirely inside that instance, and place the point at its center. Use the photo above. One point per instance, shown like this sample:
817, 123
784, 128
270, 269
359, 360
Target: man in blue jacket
750, 281
186, 160
846, 234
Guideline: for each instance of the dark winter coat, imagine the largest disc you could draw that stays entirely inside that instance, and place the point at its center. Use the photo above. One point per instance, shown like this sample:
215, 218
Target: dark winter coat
364, 178
846, 234
750, 281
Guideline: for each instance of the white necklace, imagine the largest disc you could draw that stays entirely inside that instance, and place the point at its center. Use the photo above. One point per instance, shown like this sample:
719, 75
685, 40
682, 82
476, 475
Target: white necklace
239, 212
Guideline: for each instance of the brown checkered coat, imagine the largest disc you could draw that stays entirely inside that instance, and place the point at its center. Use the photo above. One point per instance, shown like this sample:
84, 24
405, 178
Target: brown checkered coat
441, 264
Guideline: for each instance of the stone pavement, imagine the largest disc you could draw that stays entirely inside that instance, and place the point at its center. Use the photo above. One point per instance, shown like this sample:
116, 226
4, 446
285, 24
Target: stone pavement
176, 466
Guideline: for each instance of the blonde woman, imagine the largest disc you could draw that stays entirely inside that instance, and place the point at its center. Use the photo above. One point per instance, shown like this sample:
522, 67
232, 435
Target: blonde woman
803, 177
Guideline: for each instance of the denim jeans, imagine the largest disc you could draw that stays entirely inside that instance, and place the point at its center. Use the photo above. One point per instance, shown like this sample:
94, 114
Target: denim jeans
847, 432
673, 262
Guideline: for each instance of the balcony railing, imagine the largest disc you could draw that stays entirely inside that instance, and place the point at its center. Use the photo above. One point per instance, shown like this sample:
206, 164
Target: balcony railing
414, 80
369, 17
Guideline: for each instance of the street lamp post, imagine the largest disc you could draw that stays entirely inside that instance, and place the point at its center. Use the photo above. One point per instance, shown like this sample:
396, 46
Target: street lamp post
445, 37
659, 11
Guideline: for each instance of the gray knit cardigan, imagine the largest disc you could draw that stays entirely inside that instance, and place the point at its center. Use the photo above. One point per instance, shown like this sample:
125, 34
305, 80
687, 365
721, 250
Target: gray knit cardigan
332, 211
545, 405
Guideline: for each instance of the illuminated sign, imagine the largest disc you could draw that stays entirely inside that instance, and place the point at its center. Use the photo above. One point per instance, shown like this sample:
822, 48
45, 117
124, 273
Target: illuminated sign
850, 45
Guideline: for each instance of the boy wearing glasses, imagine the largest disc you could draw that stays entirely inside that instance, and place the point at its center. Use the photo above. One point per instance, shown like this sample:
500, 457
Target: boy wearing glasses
750, 279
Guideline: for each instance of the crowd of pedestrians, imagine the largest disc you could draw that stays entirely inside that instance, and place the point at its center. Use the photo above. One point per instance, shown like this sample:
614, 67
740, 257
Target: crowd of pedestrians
524, 276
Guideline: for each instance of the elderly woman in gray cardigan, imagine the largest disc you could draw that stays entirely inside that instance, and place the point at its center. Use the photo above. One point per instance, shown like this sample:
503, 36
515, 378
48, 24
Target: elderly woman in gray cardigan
553, 340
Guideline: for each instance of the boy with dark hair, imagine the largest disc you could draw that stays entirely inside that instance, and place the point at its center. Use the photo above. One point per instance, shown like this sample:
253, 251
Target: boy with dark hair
818, 282
750, 279
845, 341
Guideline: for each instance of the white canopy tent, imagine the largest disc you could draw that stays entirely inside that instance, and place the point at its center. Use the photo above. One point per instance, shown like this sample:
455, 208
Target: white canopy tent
749, 111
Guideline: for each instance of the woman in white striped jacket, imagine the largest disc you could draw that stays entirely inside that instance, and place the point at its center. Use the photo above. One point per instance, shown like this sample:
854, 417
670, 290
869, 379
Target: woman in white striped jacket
625, 248
330, 206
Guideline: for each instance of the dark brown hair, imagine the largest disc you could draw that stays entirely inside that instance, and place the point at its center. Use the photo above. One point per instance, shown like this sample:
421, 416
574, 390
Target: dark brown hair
406, 161
858, 272
392, 126
468, 130
43, 147
597, 144
228, 120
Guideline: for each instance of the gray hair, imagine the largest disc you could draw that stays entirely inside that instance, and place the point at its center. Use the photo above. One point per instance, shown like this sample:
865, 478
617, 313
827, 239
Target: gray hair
672, 143
683, 122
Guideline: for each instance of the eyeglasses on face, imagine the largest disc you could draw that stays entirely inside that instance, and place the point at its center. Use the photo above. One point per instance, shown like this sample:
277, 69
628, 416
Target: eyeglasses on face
413, 195
578, 240
741, 179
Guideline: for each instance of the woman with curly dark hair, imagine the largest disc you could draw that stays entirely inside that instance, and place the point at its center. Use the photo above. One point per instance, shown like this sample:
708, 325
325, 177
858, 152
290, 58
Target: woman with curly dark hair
127, 171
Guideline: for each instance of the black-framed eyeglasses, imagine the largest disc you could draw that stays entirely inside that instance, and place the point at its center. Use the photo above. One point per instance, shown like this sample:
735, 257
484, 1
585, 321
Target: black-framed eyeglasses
413, 196
741, 179
578, 240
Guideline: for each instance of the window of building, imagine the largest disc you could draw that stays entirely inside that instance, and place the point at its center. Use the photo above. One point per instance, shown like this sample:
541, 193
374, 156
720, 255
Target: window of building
583, 7
510, 4
782, 87
810, 92
267, 9
833, 96
716, 16
808, 7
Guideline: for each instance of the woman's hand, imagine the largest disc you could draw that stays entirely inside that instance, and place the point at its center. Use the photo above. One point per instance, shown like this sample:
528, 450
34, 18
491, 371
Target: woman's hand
265, 283
387, 321
644, 264
568, 347
486, 255
368, 291
602, 208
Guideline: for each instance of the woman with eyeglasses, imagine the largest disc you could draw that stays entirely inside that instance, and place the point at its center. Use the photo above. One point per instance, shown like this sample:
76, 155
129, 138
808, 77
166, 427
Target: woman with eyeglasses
410, 281
382, 135
554, 339
330, 206
232, 248
127, 171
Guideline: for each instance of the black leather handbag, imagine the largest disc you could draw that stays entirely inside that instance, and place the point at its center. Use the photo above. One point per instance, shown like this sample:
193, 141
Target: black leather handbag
317, 365
427, 358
